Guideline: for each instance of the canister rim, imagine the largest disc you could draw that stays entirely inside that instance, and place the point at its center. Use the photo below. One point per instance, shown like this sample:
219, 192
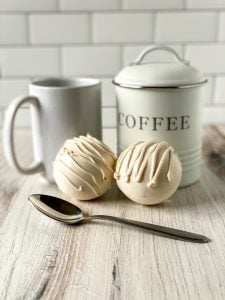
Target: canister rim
182, 86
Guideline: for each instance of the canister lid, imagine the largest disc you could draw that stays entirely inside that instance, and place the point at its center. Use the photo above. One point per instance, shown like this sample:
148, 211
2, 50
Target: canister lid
159, 74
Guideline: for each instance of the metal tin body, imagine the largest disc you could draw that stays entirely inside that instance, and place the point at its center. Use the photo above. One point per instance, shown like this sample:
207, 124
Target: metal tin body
164, 114
162, 101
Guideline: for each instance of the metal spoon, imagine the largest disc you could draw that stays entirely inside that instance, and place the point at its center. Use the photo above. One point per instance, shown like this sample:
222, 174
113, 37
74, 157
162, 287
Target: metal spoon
66, 212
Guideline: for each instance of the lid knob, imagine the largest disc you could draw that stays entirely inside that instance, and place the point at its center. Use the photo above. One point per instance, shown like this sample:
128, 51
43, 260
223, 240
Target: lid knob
161, 48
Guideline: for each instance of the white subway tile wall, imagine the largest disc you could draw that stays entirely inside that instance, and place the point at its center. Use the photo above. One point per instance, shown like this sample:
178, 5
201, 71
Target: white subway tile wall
90, 60
59, 29
22, 118
152, 4
208, 90
12, 88
13, 30
98, 37
185, 27
212, 4
27, 5
220, 90
122, 28
222, 27
29, 61
108, 93
89, 5
209, 58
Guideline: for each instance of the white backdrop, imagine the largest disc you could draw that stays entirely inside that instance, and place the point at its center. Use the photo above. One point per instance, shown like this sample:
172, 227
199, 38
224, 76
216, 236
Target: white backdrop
98, 37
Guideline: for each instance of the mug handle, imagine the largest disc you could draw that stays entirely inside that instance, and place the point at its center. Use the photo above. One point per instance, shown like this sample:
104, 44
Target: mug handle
8, 136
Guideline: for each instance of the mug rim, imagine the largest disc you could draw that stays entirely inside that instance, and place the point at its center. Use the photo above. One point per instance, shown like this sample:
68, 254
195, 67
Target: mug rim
64, 82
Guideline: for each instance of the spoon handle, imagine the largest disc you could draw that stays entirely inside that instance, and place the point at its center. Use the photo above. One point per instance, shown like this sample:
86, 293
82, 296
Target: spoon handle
157, 229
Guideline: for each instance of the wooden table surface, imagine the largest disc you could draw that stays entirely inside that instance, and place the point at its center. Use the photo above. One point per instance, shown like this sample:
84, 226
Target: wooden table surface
41, 258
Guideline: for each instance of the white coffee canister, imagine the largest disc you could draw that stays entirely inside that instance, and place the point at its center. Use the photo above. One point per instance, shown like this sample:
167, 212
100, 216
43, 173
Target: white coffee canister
162, 101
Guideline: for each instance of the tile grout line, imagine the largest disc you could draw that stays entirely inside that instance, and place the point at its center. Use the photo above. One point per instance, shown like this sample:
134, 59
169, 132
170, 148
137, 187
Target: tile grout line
121, 55
185, 51
154, 25
121, 5
57, 4
113, 107
213, 90
109, 11
111, 44
1, 117
109, 75
90, 29
217, 27
185, 5
60, 58
182, 50
28, 30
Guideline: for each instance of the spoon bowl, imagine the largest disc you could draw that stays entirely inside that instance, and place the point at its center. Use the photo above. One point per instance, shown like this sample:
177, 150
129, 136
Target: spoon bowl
57, 208
68, 213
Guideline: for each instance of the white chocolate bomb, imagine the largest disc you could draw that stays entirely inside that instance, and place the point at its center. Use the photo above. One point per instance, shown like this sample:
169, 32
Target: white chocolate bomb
83, 168
148, 172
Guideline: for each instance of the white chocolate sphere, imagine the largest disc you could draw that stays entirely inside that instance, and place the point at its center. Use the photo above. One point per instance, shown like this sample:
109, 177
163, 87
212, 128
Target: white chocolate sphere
148, 172
83, 168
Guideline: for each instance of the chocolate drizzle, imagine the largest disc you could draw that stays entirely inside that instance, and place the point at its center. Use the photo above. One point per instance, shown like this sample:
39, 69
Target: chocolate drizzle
133, 162
87, 161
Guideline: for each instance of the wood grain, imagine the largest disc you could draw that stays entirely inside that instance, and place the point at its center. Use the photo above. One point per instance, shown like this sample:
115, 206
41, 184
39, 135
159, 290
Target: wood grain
214, 148
43, 259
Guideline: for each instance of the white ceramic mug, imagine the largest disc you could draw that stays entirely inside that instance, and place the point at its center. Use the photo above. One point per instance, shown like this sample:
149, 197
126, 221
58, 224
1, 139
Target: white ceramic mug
60, 109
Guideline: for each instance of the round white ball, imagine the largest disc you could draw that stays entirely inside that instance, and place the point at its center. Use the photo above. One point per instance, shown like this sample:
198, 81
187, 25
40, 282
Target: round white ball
148, 172
83, 168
